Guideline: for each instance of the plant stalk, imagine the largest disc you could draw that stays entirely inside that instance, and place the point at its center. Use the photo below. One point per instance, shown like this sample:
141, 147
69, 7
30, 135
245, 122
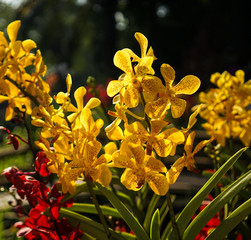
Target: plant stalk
172, 216
96, 203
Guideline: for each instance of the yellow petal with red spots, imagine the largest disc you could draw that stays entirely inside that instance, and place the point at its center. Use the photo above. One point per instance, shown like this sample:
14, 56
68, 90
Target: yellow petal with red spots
132, 179
156, 108
174, 172
143, 43
163, 147
178, 107
122, 61
153, 164
114, 87
158, 183
187, 85
189, 143
123, 161
168, 74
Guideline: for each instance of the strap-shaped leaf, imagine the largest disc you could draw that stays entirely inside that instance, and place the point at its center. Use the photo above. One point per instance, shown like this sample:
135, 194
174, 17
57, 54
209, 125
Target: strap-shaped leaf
204, 216
155, 226
187, 213
231, 221
128, 217
89, 226
90, 208
165, 209
149, 213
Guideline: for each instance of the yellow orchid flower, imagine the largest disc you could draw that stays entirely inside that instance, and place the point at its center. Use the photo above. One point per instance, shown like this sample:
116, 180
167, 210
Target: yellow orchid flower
140, 168
143, 43
113, 131
135, 78
16, 100
164, 142
68, 177
95, 168
187, 160
226, 108
169, 95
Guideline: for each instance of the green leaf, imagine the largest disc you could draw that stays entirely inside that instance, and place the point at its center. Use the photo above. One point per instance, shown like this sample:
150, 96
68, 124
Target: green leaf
90, 208
89, 226
155, 226
165, 209
150, 210
187, 213
80, 188
128, 217
208, 213
231, 221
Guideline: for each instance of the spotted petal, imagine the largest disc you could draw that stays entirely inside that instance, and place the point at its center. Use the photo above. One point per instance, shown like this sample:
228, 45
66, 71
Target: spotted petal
158, 183
168, 74
157, 125
123, 161
122, 60
178, 107
152, 84
156, 108
131, 97
153, 164
138, 153
143, 42
163, 147
114, 87
132, 179
189, 143
187, 85
175, 170
105, 176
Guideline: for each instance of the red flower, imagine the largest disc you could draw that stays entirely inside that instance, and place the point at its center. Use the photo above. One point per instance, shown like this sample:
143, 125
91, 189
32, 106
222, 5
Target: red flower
41, 164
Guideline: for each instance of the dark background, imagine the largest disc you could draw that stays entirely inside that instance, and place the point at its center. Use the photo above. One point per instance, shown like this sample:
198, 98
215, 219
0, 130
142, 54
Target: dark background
197, 37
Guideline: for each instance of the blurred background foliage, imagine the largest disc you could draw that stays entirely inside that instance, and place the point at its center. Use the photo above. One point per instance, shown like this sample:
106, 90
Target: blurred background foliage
197, 37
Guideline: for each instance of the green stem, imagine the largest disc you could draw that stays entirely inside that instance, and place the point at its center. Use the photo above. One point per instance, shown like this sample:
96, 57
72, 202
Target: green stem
146, 117
30, 142
96, 203
172, 216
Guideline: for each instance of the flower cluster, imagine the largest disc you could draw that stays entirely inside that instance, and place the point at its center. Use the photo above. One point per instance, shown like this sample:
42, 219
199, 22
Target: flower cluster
21, 73
141, 134
151, 136
42, 221
227, 108
69, 132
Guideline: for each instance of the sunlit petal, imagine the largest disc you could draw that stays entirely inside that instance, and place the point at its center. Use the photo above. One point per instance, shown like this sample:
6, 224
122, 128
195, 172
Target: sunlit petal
189, 143
123, 161
178, 107
143, 42
168, 74
156, 108
132, 179
122, 60
153, 164
187, 85
79, 97
158, 183
12, 30
114, 87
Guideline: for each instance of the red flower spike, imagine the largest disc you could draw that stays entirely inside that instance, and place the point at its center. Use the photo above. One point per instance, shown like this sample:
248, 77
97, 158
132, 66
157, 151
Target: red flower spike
41, 164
